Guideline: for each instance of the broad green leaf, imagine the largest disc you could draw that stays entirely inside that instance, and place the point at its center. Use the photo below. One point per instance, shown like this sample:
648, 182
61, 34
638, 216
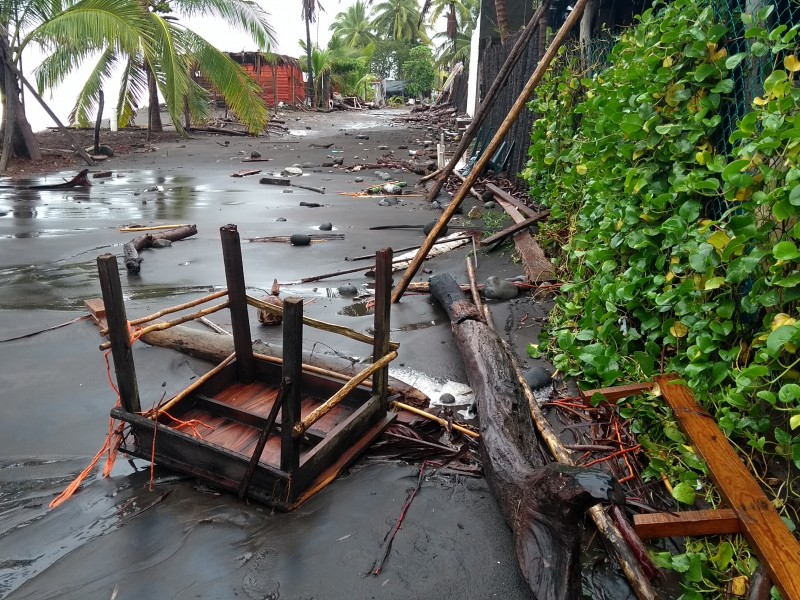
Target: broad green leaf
794, 421
778, 338
785, 251
684, 493
714, 283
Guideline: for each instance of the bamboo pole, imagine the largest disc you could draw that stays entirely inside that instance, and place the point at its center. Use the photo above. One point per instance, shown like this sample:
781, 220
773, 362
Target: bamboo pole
512, 116
488, 100
473, 286
323, 409
151, 228
154, 414
324, 326
441, 421
174, 322
173, 309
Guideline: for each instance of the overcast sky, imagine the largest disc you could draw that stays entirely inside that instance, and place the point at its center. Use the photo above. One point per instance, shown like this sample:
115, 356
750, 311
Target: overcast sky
284, 17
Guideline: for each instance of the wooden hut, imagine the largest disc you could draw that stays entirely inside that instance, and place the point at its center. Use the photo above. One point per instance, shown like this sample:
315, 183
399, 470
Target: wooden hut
281, 79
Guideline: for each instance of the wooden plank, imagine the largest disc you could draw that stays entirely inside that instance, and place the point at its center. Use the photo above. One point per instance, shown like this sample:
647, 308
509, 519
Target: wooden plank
771, 540
246, 173
514, 228
293, 371
97, 310
124, 368
504, 195
237, 299
383, 307
536, 265
692, 523
619, 392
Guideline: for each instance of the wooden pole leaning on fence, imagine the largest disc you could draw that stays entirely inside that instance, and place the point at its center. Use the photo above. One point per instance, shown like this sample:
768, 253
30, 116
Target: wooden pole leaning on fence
488, 100
484, 158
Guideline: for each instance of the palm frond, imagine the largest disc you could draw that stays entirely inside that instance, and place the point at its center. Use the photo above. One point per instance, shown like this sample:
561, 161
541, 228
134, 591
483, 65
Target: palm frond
169, 62
198, 103
240, 92
59, 65
132, 87
85, 106
246, 15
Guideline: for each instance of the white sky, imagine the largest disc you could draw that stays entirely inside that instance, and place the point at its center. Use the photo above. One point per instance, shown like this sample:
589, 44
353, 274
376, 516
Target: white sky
284, 17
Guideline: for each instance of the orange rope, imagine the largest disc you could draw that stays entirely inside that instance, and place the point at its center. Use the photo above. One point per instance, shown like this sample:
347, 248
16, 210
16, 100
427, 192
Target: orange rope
113, 439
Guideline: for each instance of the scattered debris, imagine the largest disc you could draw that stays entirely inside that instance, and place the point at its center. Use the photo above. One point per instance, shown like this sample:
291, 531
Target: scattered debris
246, 172
131, 249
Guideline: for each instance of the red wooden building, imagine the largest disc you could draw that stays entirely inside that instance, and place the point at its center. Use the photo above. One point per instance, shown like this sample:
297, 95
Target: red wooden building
281, 81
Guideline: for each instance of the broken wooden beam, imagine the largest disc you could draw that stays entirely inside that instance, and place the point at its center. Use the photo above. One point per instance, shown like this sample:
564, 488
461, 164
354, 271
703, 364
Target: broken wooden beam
501, 193
274, 181
246, 172
534, 262
131, 249
618, 392
770, 539
516, 227
691, 523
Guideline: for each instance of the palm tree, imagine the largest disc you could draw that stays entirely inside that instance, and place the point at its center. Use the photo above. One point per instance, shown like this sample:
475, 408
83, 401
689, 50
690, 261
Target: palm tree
164, 59
84, 24
353, 26
400, 20
462, 16
309, 14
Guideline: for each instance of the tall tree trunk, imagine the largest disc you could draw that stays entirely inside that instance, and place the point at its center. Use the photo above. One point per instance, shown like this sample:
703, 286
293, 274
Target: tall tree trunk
310, 90
154, 124
502, 18
100, 103
23, 142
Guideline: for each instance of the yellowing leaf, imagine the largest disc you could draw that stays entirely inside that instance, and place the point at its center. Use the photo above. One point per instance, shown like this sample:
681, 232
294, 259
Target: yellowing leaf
719, 239
759, 101
675, 260
670, 276
645, 217
715, 54
679, 330
743, 194
581, 169
739, 586
791, 63
794, 422
714, 283
700, 158
667, 62
780, 320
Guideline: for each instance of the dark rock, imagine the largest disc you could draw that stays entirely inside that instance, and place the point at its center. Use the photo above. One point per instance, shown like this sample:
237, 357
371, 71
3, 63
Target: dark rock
300, 239
348, 290
499, 289
391, 201
435, 205
447, 399
338, 161
431, 165
538, 377
326, 227
255, 154
281, 219
403, 147
362, 136
429, 227
309, 165
358, 179
327, 164
287, 191
487, 196
311, 204
489, 205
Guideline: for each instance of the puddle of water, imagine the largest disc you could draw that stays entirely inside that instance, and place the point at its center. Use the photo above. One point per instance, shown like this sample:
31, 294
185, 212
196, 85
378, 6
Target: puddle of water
358, 309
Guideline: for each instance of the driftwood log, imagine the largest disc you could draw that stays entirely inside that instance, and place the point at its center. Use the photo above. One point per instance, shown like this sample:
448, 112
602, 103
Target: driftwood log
543, 503
80, 180
131, 249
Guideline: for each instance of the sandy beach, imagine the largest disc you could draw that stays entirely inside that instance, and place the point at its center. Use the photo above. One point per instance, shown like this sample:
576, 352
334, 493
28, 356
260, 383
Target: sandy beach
116, 538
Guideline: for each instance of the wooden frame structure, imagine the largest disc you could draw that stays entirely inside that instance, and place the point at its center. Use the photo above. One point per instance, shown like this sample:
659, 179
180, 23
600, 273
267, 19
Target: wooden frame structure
257, 426
749, 510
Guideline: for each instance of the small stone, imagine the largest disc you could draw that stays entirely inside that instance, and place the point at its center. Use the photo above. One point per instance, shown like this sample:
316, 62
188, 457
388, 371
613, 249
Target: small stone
383, 147
487, 196
362, 136
152, 188
388, 202
327, 164
447, 399
348, 290
489, 205
385, 176
429, 227
358, 179
435, 205
537, 377
300, 239
162, 243
292, 171
309, 165
499, 289
326, 227
255, 154
338, 161
308, 126
287, 191
403, 147
427, 270
281, 219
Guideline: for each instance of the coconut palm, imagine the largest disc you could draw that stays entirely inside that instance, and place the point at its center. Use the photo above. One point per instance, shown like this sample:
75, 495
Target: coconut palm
165, 59
309, 14
462, 16
400, 20
84, 24
353, 26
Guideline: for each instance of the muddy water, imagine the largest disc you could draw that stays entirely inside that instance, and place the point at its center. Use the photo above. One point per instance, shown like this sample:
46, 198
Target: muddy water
116, 538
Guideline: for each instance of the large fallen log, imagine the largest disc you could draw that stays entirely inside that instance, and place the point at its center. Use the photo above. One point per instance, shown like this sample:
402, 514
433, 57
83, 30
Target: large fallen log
513, 456
543, 503
131, 249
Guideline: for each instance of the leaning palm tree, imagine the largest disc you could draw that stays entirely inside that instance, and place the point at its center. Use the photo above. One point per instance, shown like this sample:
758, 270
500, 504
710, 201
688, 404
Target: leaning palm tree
353, 26
84, 24
165, 60
400, 20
